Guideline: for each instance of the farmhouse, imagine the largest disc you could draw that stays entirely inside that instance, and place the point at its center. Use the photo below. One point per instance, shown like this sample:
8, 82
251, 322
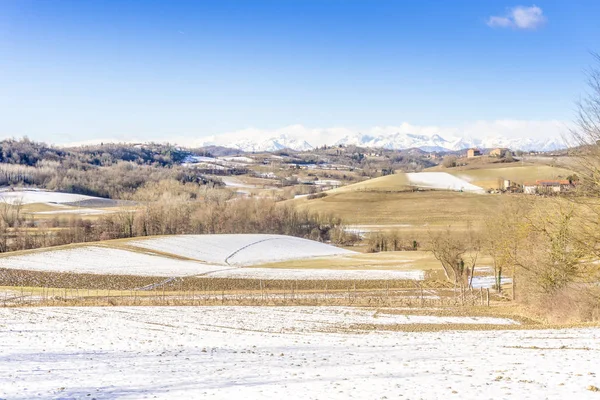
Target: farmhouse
473, 153
499, 152
547, 186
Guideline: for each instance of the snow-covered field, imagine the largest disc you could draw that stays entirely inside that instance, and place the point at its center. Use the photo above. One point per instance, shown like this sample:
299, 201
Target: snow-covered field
219, 256
239, 250
199, 159
488, 281
442, 181
235, 183
205, 165
292, 353
40, 196
103, 260
238, 159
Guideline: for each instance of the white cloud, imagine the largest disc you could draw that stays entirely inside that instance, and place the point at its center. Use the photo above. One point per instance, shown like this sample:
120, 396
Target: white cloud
519, 17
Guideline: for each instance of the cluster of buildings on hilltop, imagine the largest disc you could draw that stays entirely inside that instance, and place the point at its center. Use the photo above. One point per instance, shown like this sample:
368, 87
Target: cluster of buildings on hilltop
548, 186
540, 186
499, 152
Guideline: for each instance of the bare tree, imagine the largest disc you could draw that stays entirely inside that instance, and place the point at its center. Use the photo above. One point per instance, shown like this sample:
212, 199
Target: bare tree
457, 252
126, 219
587, 136
505, 233
587, 131
449, 161
475, 244
10, 211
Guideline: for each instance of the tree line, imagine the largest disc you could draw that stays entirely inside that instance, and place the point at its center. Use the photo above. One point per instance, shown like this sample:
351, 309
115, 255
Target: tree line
169, 207
111, 170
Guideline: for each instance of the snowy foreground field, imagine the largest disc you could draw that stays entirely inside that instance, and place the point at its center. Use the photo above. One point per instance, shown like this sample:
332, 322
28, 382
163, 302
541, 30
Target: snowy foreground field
295, 352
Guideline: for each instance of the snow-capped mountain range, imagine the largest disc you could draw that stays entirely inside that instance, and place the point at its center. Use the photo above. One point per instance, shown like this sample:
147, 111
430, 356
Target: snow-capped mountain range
396, 141
272, 144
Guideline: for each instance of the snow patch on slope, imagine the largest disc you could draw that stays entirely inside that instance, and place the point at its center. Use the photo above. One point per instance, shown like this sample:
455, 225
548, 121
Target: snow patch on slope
239, 249
30, 196
103, 260
207, 254
441, 181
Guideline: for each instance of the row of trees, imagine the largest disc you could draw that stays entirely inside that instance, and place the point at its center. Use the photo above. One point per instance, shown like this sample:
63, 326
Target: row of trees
111, 170
28, 152
119, 180
167, 208
389, 241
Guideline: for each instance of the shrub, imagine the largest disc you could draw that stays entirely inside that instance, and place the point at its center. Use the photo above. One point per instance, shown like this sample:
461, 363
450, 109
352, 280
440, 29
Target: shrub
449, 162
316, 196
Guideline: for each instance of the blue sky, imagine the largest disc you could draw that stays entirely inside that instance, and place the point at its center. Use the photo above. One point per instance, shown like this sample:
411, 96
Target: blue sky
73, 71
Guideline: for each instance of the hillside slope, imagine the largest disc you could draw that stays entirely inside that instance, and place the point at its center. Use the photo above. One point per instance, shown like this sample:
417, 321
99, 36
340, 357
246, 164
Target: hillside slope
169, 256
491, 177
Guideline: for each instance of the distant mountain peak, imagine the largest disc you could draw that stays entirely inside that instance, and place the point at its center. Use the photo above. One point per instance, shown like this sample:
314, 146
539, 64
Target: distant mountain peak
395, 141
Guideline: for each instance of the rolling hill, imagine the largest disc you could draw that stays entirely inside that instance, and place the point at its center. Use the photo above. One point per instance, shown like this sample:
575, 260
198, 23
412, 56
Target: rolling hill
390, 200
490, 177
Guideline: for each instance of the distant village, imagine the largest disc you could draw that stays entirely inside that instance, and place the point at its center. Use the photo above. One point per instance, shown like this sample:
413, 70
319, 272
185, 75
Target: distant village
537, 187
